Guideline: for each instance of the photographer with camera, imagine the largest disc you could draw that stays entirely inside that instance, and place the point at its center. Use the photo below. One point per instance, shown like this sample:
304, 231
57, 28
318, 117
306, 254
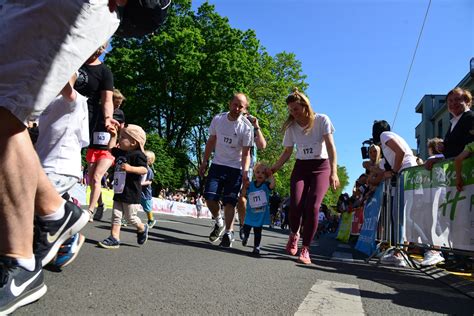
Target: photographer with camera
398, 156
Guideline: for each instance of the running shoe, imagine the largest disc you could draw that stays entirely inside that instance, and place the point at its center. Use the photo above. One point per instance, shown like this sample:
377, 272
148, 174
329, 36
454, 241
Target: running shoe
143, 236
216, 233
256, 251
304, 256
99, 212
393, 259
18, 286
50, 235
431, 258
91, 216
292, 244
151, 223
227, 240
109, 243
69, 250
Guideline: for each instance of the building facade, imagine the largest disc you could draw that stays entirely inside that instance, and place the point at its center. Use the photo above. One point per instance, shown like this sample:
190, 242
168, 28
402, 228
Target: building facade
435, 118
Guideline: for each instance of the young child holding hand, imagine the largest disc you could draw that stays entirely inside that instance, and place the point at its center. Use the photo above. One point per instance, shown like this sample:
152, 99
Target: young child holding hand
130, 166
258, 209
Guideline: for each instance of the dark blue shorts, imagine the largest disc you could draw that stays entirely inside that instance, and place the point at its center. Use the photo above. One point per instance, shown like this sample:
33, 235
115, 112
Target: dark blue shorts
223, 183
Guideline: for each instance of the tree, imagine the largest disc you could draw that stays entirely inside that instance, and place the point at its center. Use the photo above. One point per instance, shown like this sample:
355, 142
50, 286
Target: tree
176, 80
168, 173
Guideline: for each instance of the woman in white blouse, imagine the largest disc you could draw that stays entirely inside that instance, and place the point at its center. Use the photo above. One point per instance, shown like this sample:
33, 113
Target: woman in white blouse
314, 172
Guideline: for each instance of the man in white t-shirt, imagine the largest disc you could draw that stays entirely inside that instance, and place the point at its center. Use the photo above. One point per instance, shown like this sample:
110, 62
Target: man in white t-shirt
230, 137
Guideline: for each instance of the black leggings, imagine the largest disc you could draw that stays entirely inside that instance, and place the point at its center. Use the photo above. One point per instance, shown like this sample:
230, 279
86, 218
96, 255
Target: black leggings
257, 232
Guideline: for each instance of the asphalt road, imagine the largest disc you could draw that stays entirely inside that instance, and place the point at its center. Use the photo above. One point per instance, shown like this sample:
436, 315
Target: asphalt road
179, 272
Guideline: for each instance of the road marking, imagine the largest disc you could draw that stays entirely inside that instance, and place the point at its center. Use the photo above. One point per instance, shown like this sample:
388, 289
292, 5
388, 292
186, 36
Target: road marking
342, 256
332, 298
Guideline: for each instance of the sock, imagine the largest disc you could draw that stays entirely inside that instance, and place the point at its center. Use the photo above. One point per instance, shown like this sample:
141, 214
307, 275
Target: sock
219, 221
150, 216
28, 264
57, 215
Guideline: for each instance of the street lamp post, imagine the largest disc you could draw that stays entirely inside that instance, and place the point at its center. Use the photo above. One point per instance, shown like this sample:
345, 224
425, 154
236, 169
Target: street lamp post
472, 67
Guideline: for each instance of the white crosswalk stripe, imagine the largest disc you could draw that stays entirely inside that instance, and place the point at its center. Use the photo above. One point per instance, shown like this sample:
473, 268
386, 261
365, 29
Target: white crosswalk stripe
332, 298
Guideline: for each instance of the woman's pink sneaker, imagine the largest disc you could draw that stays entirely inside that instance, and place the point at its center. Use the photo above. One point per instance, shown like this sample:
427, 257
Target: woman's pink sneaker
292, 245
304, 256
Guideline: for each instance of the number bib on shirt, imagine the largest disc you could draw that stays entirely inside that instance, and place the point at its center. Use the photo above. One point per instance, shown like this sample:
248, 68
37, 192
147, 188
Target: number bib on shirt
101, 138
227, 140
257, 200
119, 181
308, 151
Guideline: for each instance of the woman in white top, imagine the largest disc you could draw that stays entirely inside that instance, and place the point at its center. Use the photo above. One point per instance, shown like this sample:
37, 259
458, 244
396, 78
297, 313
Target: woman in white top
395, 149
314, 171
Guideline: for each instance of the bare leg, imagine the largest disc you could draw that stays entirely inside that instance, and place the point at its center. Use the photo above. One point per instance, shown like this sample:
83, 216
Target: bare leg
97, 171
20, 173
115, 231
241, 206
213, 207
47, 198
229, 213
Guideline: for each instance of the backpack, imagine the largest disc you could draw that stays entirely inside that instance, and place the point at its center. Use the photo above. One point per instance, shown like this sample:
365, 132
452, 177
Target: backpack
141, 17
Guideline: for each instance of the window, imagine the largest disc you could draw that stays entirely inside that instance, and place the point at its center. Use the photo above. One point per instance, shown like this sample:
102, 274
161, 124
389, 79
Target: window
440, 129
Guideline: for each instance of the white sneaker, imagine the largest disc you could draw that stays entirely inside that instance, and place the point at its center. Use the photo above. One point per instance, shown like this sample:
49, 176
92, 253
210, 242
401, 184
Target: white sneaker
393, 259
431, 258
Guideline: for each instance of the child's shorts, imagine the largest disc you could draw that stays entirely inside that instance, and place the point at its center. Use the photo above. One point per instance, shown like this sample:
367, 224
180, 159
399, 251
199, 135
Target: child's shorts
129, 211
43, 42
94, 155
147, 205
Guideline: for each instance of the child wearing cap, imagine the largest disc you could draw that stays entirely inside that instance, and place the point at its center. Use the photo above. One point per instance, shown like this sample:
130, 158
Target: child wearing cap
130, 166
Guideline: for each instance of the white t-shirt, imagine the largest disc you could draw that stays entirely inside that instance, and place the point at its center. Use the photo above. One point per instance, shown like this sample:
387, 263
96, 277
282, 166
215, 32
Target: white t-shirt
409, 159
63, 131
231, 137
311, 145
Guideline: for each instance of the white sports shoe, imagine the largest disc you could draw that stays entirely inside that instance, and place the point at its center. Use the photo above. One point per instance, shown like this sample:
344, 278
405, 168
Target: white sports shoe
393, 259
431, 258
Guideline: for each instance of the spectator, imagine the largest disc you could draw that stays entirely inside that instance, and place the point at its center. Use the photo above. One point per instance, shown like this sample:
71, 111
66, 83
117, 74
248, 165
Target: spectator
459, 102
398, 156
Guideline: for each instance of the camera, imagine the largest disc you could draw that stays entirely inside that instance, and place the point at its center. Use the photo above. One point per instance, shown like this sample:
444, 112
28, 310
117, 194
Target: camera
365, 148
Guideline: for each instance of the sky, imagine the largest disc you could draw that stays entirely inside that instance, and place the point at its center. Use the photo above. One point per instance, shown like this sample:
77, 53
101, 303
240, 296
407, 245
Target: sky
357, 53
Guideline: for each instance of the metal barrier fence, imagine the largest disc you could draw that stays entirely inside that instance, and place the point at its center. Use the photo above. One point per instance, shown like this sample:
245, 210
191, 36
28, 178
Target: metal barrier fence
423, 208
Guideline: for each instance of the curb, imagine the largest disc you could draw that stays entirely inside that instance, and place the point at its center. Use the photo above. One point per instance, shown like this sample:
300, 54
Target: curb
458, 283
